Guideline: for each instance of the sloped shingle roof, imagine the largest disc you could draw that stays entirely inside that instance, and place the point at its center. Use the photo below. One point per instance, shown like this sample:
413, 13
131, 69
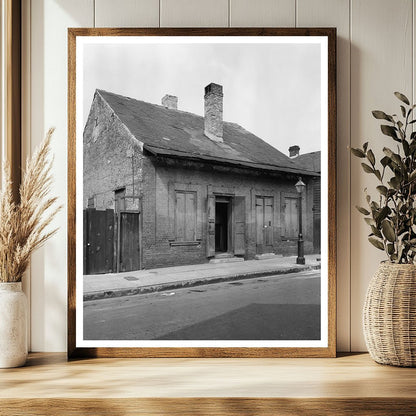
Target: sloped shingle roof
310, 161
176, 133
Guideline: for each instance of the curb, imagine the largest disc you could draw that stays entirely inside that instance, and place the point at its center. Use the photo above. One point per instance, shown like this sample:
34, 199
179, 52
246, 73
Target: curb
105, 294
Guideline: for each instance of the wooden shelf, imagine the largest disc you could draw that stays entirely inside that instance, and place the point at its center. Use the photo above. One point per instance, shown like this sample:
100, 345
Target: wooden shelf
349, 384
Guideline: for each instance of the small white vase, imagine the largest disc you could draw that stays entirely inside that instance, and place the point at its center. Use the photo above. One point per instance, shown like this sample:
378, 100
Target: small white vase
13, 325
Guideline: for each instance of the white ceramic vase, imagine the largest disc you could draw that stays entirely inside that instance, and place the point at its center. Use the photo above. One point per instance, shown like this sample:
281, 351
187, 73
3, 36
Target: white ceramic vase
13, 325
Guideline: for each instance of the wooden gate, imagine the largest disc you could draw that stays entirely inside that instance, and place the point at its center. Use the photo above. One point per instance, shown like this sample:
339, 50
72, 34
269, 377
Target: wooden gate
111, 241
99, 241
129, 241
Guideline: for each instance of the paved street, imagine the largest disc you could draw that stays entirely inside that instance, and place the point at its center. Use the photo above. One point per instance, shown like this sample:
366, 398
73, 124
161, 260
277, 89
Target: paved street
283, 307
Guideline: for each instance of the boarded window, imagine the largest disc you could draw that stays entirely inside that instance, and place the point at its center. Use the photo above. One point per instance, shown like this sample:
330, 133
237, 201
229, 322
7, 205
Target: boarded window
120, 199
185, 216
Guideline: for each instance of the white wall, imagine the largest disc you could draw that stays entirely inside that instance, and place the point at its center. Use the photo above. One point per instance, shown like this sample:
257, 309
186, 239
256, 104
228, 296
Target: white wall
376, 57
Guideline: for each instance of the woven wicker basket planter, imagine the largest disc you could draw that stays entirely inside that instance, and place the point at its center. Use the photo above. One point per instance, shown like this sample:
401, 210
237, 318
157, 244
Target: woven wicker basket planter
390, 315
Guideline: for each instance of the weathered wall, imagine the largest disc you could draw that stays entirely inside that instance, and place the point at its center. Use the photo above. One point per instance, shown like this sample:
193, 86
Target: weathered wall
112, 158
158, 211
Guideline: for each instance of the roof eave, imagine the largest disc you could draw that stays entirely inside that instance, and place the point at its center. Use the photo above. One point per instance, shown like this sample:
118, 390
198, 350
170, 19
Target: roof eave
200, 158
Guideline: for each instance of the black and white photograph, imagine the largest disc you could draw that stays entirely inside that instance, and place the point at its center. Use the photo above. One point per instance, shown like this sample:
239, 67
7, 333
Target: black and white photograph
202, 188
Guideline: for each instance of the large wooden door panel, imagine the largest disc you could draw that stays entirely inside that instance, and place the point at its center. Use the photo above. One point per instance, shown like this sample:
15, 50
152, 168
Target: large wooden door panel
129, 241
264, 224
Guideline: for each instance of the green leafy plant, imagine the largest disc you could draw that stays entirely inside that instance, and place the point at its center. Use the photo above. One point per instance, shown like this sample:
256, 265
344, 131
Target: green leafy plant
391, 217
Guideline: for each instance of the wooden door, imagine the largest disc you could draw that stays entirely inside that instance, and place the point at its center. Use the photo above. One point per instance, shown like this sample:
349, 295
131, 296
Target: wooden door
211, 226
129, 241
239, 225
98, 241
264, 224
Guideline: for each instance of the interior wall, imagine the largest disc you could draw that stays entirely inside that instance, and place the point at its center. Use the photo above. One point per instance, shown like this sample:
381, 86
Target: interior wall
376, 57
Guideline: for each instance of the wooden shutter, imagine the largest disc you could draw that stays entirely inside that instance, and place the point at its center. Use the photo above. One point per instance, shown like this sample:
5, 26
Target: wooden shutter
180, 216
211, 226
291, 217
190, 216
268, 221
239, 225
259, 221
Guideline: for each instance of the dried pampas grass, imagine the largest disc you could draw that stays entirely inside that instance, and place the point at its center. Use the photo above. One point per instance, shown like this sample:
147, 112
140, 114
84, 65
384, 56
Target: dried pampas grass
24, 225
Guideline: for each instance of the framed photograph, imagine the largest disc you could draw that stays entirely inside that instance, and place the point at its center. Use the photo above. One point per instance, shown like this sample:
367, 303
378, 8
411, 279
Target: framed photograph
201, 205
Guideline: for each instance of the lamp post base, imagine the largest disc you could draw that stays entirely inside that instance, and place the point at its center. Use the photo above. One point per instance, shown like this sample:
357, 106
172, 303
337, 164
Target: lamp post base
300, 260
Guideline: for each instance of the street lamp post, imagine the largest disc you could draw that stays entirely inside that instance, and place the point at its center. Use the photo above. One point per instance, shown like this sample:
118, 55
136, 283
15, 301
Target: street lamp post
300, 186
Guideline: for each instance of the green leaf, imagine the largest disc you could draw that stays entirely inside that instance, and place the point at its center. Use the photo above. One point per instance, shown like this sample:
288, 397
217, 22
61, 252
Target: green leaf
389, 131
393, 156
365, 145
382, 189
381, 115
406, 147
394, 182
369, 221
376, 243
403, 111
402, 97
382, 214
412, 176
367, 168
370, 157
385, 161
362, 210
376, 232
388, 230
390, 248
357, 152
378, 174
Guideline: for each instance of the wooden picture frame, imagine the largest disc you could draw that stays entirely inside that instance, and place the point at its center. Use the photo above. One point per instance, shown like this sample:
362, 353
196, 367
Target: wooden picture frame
75, 349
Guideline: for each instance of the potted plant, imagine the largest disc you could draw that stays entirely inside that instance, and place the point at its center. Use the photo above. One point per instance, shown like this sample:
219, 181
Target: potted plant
389, 317
23, 229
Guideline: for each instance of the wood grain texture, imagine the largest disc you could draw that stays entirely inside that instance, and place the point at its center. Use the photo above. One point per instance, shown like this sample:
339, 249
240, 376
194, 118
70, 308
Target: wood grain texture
13, 44
381, 63
193, 13
262, 13
330, 351
347, 385
210, 406
332, 13
127, 13
26, 138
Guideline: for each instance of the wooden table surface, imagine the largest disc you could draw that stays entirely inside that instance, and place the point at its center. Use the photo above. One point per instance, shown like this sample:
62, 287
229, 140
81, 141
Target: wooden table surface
349, 384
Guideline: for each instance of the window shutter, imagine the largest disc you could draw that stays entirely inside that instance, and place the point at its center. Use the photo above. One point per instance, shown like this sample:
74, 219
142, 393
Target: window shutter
239, 225
211, 226
180, 216
190, 217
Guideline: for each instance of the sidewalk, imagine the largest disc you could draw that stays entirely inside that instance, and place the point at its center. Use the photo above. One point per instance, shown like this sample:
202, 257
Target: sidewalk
101, 286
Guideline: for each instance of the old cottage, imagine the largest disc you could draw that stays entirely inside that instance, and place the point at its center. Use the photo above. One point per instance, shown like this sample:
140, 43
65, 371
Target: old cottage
165, 187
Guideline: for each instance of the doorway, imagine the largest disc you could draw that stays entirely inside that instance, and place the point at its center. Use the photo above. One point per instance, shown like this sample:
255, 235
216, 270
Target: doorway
222, 224
264, 224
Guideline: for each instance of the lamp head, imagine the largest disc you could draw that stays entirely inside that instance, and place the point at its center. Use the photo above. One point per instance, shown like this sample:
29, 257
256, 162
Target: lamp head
300, 186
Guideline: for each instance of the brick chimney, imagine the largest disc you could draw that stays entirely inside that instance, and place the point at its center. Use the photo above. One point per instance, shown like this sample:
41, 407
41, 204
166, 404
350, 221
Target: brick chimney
213, 112
170, 101
294, 151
